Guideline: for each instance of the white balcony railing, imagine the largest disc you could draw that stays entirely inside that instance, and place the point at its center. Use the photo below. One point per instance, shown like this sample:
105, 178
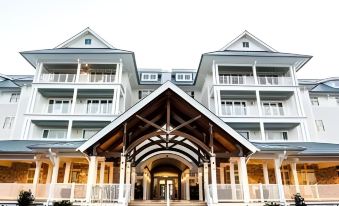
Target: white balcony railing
229, 192
110, 193
264, 192
328, 192
10, 191
102, 78
236, 80
278, 81
57, 78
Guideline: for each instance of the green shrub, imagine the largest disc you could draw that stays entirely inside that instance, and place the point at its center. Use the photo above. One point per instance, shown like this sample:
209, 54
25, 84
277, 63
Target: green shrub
272, 204
63, 203
25, 198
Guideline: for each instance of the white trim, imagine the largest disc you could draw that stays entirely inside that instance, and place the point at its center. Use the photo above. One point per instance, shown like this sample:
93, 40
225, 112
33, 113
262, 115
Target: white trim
85, 31
184, 74
246, 33
168, 85
149, 74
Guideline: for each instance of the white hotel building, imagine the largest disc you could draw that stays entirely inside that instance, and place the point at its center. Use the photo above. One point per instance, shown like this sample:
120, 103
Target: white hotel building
92, 128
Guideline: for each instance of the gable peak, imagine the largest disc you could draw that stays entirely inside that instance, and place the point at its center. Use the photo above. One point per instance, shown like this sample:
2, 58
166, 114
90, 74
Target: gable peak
247, 42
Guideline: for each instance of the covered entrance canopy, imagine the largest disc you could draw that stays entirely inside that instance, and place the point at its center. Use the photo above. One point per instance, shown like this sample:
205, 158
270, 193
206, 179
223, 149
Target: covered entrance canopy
168, 120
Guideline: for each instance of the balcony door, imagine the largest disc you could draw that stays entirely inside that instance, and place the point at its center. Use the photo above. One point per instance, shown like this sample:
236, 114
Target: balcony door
57, 106
233, 107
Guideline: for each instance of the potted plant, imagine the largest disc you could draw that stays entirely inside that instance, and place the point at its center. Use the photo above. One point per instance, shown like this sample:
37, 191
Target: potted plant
25, 198
271, 204
63, 203
299, 200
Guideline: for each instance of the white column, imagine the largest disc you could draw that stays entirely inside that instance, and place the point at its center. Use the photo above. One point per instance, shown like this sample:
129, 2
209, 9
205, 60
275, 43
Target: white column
232, 179
265, 172
128, 173
187, 183
244, 178
122, 178
102, 172
222, 174
36, 175
295, 176
279, 180
74, 100
133, 176
54, 178
78, 72
67, 171
92, 175
144, 185
111, 168
206, 190
255, 76
69, 129
201, 197
214, 179
49, 173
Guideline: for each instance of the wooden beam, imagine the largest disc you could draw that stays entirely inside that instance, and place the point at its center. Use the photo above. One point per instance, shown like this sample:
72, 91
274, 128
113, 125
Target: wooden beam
151, 123
142, 139
156, 142
124, 138
180, 120
211, 137
185, 123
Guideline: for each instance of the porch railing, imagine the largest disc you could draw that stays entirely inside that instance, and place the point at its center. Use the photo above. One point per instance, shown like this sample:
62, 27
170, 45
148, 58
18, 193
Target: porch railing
328, 192
264, 192
229, 192
103, 78
110, 193
10, 191
59, 78
70, 191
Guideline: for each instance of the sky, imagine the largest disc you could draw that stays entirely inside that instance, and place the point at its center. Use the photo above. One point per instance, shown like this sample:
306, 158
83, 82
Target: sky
166, 34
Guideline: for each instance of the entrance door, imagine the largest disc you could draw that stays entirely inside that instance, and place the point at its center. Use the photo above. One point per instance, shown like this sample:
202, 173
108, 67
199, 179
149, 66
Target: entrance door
163, 189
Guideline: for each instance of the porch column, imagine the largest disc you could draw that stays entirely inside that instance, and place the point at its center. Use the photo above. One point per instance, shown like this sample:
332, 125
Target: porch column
201, 197
122, 178
49, 173
277, 163
265, 172
187, 184
54, 178
295, 176
244, 178
133, 176
144, 185
214, 179
67, 171
92, 175
128, 177
36, 175
111, 168
232, 179
102, 172
206, 190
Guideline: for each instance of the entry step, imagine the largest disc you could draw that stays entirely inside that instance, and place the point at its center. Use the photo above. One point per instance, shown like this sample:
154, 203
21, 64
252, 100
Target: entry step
164, 203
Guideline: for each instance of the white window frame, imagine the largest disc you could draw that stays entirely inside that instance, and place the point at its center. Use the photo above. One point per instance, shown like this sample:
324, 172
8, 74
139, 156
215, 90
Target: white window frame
276, 131
268, 79
186, 77
246, 44
272, 109
235, 79
60, 111
245, 131
315, 101
15, 97
320, 125
149, 77
89, 129
142, 93
49, 130
8, 122
243, 107
89, 107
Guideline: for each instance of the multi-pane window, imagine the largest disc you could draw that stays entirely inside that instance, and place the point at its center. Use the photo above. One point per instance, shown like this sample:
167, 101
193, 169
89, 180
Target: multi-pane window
57, 106
268, 79
320, 125
183, 77
276, 135
8, 123
14, 97
88, 41
245, 44
315, 101
273, 108
88, 133
99, 106
149, 77
144, 93
233, 107
54, 133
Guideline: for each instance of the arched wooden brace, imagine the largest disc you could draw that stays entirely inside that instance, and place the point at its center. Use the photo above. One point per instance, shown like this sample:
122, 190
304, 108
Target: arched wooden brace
142, 139
161, 149
135, 153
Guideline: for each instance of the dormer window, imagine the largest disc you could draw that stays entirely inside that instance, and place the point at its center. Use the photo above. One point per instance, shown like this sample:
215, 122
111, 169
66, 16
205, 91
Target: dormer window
88, 41
245, 44
151, 77
181, 77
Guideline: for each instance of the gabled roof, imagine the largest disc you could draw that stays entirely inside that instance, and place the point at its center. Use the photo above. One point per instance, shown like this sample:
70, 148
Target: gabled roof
141, 105
84, 32
250, 37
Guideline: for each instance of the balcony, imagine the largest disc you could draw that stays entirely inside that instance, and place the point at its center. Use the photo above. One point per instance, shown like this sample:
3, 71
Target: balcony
96, 78
83, 78
272, 80
229, 79
57, 78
